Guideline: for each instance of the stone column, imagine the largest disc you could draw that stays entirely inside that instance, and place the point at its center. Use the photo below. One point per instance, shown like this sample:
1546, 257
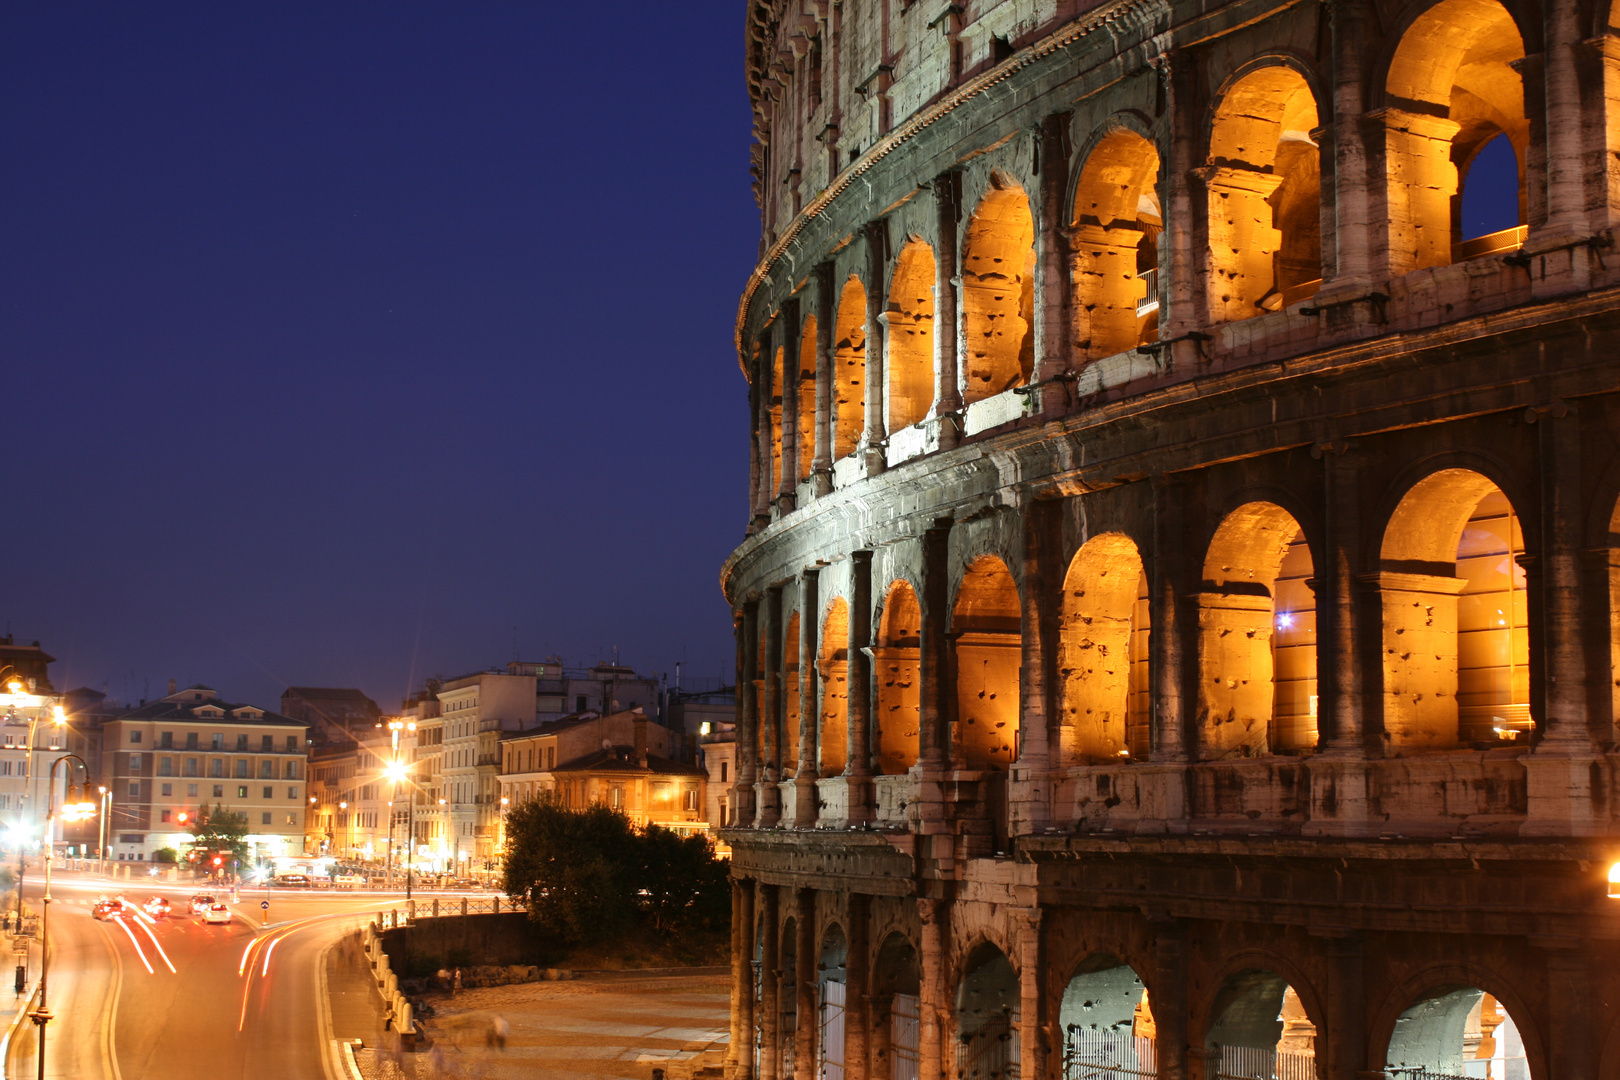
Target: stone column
807, 804
1052, 346
1566, 194
1569, 1041
1169, 1000
787, 493
1346, 1043
935, 706
826, 300
770, 713
858, 995
1421, 181
861, 690
739, 1059
805, 984
1419, 634
770, 983
947, 188
935, 999
1031, 1008
747, 715
1242, 242
877, 347
1184, 295
754, 473
1559, 774
1105, 287
1351, 206
1165, 652
762, 432
1235, 675
1029, 809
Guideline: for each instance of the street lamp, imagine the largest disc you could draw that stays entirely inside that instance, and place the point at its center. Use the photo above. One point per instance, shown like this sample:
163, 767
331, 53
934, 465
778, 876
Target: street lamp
78, 810
106, 802
343, 805
59, 719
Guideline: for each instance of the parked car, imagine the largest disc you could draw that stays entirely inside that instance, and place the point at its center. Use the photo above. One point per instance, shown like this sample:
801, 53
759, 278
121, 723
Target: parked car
217, 913
300, 880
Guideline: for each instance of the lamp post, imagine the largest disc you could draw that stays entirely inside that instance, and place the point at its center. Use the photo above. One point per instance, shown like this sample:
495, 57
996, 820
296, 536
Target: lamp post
59, 718
343, 805
106, 802
73, 811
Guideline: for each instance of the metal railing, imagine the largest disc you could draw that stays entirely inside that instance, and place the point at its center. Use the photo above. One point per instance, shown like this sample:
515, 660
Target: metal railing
990, 1053
1253, 1063
1420, 1073
1103, 1054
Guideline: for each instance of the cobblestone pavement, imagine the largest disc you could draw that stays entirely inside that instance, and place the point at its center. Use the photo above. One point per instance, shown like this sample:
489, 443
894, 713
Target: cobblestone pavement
601, 1026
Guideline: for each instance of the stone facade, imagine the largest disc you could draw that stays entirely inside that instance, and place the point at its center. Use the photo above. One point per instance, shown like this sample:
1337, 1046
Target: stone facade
1179, 619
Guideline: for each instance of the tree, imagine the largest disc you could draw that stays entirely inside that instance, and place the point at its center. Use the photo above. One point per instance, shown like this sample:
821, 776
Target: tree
166, 855
684, 887
220, 831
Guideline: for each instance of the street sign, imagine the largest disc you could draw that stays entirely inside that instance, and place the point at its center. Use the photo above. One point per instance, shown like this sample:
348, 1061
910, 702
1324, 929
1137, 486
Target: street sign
265, 904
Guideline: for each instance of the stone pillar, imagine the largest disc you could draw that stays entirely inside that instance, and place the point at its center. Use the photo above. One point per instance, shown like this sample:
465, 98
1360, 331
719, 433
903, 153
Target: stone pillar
1165, 645
1235, 675
1029, 809
1350, 269
1032, 1029
862, 690
1420, 182
1419, 632
805, 984
1566, 123
1052, 349
877, 347
806, 808
1242, 242
755, 475
935, 1000
1184, 295
787, 493
1346, 1044
770, 983
858, 991
739, 1059
1169, 1000
770, 713
935, 704
947, 322
1570, 1049
747, 715
1102, 270
1559, 771
762, 432
826, 312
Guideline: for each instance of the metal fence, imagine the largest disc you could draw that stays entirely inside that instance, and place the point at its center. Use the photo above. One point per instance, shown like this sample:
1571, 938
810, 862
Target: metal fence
1102, 1054
1251, 1063
1420, 1073
990, 1053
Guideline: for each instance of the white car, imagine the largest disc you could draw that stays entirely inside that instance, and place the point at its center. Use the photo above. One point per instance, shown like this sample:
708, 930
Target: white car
217, 913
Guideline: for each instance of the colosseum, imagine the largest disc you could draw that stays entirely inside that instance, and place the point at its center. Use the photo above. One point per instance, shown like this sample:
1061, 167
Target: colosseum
1178, 621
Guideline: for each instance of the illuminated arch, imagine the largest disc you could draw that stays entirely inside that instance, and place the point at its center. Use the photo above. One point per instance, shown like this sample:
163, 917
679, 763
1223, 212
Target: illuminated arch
910, 357
1114, 237
849, 368
897, 659
1103, 657
998, 290
987, 644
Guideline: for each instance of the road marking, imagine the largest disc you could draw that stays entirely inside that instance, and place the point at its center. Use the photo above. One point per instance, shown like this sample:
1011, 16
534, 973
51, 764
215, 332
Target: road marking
109, 1046
120, 921
159, 947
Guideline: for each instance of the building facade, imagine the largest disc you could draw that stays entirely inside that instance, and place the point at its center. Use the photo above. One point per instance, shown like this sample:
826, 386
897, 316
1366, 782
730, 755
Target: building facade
334, 714
191, 751
1177, 622
476, 709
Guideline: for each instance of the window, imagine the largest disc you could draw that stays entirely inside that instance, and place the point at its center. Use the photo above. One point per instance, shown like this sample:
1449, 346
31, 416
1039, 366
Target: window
134, 791
241, 791
166, 740
267, 745
617, 800
269, 792
134, 763
723, 765
166, 767
267, 770
219, 740
191, 791
134, 738
579, 703
241, 768
292, 819
8, 740
691, 798
551, 757
191, 740
5, 768
216, 767
165, 817
292, 744
168, 789
265, 818
292, 793
241, 743
292, 770
219, 790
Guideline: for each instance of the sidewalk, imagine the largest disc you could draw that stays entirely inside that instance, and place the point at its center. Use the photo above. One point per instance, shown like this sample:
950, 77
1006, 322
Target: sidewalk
352, 999
609, 1025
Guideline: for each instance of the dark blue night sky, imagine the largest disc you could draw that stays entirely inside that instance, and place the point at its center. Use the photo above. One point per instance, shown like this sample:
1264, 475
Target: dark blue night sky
346, 343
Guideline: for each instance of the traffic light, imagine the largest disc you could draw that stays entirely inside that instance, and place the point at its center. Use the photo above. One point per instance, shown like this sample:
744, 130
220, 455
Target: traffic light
218, 862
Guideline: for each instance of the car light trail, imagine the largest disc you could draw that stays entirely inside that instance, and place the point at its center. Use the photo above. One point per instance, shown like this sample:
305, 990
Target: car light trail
159, 947
120, 921
243, 966
273, 943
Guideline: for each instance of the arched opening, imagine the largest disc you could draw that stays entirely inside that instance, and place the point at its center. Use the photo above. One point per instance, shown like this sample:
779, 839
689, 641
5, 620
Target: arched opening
987, 1017
1457, 1031
987, 643
1257, 637
787, 998
896, 1010
1453, 87
834, 665
1103, 657
849, 368
806, 426
1115, 240
1107, 1023
998, 293
1456, 638
1490, 190
898, 655
1265, 196
1259, 1029
832, 999
776, 422
910, 367
790, 693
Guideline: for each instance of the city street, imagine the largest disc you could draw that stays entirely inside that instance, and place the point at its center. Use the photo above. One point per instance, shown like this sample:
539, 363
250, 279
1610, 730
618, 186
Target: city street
175, 998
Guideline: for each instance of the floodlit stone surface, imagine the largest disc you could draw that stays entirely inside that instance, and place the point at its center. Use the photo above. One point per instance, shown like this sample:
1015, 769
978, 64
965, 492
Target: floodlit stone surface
1211, 582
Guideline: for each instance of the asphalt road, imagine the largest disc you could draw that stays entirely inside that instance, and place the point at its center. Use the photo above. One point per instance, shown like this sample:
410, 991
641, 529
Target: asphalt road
185, 1000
